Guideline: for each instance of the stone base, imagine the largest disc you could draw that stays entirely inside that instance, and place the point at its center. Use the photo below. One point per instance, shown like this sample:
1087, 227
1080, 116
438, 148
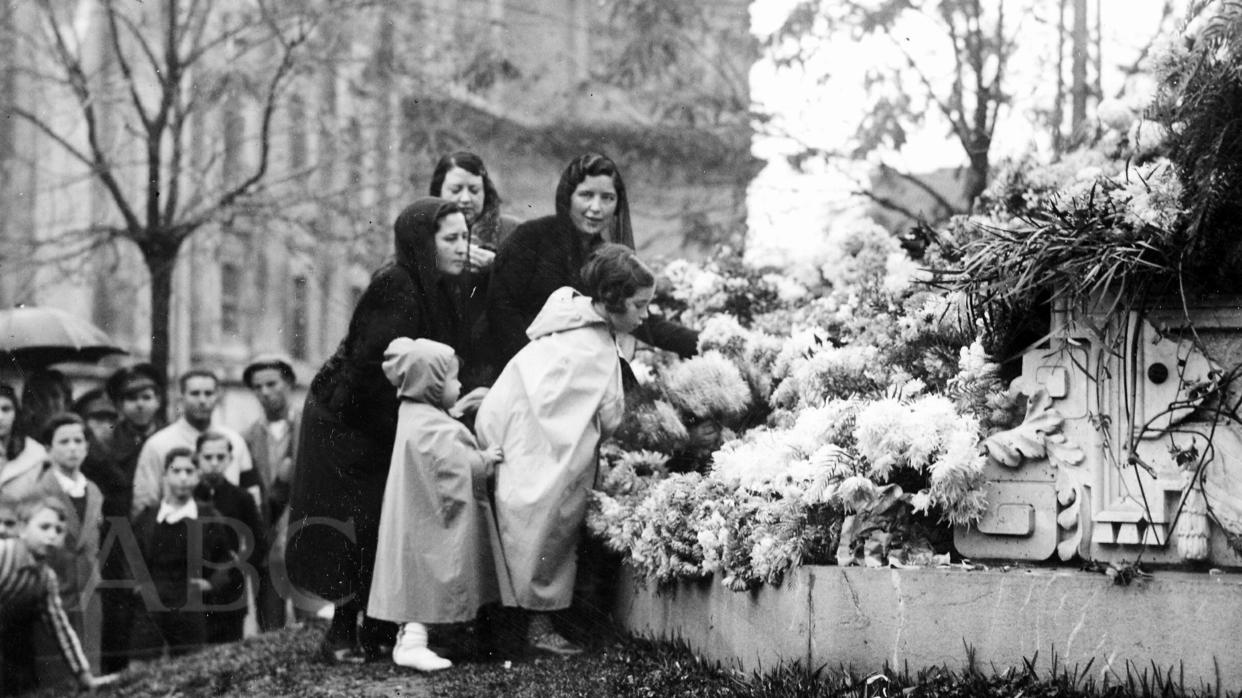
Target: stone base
849, 617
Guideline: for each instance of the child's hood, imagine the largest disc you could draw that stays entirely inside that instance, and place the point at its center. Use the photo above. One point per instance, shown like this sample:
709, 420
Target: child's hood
419, 368
565, 309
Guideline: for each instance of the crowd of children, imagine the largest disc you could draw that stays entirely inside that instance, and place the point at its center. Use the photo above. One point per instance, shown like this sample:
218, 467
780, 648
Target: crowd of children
125, 538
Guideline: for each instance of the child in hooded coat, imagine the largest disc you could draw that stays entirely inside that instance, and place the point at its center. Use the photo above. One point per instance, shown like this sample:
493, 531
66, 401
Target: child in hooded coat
434, 561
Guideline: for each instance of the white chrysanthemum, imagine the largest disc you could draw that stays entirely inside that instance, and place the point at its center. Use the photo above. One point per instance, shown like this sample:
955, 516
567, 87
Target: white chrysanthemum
679, 272
860, 248
1148, 135
973, 359
956, 483
856, 492
900, 272
708, 385
1115, 114
920, 501
799, 347
1152, 197
706, 284
754, 463
831, 372
881, 430
788, 290
724, 334
643, 372
933, 418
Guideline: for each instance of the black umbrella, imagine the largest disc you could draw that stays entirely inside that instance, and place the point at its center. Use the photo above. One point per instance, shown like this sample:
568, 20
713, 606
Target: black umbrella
43, 336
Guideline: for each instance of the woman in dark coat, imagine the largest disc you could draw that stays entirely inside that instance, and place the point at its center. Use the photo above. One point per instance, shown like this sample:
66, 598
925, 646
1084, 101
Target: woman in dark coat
350, 418
547, 253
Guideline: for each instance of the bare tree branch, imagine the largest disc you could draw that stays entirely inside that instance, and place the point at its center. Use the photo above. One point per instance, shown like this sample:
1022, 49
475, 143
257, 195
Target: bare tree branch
127, 73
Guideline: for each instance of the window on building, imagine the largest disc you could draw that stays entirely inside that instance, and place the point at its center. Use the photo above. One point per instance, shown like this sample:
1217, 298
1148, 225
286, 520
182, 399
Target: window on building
230, 298
297, 133
298, 341
354, 135
234, 126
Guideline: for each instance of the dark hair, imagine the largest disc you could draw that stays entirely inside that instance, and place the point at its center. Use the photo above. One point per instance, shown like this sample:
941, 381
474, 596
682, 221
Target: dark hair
486, 228
17, 437
210, 435
32, 504
58, 420
474, 165
596, 165
179, 452
196, 373
45, 392
614, 273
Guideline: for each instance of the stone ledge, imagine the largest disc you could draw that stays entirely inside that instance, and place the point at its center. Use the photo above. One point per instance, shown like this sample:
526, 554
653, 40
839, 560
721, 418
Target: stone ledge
866, 618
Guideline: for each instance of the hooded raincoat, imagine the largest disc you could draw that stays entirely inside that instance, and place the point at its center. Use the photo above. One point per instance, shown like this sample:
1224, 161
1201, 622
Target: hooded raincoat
548, 411
434, 559
350, 415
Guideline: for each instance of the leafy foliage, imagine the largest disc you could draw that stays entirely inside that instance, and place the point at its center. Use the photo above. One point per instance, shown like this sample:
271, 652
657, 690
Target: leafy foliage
1200, 101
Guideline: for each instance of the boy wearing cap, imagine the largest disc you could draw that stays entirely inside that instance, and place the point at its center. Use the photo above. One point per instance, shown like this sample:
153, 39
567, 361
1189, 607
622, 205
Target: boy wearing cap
272, 440
200, 393
138, 394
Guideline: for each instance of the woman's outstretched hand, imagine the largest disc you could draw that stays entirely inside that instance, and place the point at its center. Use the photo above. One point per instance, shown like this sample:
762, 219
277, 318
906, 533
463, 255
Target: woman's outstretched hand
468, 403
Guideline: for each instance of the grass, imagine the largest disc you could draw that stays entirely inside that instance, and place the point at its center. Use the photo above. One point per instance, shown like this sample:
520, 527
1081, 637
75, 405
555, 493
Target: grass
281, 664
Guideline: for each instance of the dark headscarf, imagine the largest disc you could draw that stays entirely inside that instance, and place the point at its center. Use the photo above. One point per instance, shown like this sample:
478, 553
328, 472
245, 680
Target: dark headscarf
591, 165
412, 285
414, 240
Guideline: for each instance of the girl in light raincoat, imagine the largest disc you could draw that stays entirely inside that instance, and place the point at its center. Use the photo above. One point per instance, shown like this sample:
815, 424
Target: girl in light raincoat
434, 562
549, 409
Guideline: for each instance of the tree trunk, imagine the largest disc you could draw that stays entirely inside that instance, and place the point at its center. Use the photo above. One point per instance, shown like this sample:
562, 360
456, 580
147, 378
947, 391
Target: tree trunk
161, 266
1080, 87
976, 176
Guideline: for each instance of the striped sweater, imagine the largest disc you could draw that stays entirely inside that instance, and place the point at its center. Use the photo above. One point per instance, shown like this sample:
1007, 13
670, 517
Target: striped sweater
25, 581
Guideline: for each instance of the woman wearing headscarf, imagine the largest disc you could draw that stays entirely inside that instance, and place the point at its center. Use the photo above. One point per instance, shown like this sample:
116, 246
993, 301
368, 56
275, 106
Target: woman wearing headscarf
462, 178
547, 253
21, 457
350, 418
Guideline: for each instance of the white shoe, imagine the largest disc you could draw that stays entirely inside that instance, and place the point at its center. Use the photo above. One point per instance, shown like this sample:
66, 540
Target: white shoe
419, 658
411, 650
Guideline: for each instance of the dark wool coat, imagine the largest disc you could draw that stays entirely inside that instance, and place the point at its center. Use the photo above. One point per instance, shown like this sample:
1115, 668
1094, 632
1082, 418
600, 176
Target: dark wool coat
541, 256
169, 578
242, 514
350, 417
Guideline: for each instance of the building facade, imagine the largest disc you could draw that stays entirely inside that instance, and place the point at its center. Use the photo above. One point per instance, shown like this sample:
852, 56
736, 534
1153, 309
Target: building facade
353, 138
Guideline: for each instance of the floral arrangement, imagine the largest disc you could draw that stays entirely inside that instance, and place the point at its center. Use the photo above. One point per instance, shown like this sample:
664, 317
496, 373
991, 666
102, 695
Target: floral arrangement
781, 494
847, 415
849, 408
